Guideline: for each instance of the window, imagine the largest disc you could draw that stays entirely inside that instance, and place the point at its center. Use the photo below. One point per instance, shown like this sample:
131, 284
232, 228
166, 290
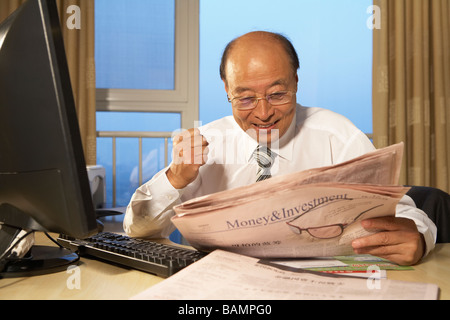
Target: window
147, 87
147, 57
137, 53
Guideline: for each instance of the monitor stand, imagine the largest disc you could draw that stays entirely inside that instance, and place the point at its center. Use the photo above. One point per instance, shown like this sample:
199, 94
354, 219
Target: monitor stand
39, 260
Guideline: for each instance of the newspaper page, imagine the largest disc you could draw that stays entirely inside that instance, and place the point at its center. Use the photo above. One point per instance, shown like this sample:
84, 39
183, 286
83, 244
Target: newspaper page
309, 221
307, 214
228, 276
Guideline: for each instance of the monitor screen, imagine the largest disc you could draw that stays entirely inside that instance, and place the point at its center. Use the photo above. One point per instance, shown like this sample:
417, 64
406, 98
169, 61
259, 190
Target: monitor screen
43, 179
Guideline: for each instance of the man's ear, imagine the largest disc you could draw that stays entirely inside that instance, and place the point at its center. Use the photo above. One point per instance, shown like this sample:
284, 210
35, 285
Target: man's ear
226, 86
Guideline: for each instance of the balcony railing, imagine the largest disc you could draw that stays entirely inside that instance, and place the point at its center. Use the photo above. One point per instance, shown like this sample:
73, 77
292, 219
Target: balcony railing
140, 135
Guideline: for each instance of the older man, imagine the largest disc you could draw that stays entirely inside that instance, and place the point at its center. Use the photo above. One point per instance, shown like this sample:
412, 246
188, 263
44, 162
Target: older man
269, 134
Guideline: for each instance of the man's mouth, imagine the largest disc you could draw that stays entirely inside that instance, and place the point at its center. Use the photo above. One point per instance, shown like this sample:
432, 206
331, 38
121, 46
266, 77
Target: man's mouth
265, 126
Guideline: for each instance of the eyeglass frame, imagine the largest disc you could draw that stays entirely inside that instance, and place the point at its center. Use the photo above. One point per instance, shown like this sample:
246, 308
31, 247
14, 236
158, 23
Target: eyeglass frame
291, 93
341, 225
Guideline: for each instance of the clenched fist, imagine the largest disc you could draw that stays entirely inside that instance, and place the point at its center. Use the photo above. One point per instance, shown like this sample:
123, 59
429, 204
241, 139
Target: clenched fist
190, 152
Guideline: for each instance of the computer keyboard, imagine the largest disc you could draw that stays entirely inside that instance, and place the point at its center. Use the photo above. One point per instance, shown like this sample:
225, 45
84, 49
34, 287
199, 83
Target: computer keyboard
160, 259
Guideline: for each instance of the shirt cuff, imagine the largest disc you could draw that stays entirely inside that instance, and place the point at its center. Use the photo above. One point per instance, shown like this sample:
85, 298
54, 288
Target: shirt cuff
161, 188
406, 208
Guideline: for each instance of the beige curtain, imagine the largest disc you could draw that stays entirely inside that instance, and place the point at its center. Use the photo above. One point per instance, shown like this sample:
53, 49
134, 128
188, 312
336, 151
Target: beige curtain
8, 6
411, 87
80, 53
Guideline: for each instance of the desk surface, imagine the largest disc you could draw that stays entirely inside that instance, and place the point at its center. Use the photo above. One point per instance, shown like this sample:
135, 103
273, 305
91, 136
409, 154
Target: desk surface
435, 268
99, 280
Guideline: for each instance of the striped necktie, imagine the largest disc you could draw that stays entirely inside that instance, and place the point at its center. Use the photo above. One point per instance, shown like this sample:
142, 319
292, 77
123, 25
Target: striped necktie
264, 157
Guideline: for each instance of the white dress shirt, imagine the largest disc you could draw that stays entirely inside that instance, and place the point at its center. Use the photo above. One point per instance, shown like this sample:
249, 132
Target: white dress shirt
316, 137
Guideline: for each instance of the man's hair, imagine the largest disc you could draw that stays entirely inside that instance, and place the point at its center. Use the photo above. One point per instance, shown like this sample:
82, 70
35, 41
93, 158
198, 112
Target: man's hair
284, 41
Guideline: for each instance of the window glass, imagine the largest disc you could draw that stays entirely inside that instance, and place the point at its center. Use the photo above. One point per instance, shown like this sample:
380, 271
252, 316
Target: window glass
137, 121
135, 44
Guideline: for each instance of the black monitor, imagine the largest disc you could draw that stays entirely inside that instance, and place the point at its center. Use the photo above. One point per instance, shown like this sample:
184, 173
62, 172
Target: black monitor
43, 180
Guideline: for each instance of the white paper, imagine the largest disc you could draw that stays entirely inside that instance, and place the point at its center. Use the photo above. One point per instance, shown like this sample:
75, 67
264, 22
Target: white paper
228, 276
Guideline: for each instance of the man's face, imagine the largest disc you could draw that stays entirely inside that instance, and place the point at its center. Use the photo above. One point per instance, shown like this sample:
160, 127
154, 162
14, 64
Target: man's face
256, 69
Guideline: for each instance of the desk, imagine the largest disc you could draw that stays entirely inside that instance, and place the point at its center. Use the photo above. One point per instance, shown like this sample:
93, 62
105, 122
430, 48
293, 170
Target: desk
98, 280
435, 268
104, 281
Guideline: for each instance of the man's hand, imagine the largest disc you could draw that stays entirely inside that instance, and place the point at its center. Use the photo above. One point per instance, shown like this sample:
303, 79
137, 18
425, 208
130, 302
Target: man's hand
190, 152
398, 240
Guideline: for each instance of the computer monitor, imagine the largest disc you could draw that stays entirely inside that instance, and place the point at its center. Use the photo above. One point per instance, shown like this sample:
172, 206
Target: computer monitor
43, 179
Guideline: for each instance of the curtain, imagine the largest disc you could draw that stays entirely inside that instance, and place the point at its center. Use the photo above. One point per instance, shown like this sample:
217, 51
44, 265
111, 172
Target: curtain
411, 87
80, 51
8, 6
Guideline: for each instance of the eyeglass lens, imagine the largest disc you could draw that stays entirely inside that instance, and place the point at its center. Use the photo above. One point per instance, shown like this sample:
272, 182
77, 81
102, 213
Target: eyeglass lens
325, 232
274, 99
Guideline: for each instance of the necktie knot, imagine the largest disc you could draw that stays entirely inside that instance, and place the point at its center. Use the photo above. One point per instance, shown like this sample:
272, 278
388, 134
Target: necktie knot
264, 157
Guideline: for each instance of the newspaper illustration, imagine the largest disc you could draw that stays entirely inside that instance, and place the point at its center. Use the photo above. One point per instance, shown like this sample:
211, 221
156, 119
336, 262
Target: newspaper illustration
306, 214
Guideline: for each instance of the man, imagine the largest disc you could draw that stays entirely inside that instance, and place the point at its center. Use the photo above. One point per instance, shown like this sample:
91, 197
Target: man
259, 71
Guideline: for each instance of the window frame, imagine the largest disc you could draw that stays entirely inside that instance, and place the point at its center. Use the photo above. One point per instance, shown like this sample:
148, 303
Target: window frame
184, 99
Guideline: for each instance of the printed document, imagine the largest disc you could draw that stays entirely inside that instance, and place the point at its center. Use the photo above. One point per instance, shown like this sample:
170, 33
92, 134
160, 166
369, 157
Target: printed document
225, 275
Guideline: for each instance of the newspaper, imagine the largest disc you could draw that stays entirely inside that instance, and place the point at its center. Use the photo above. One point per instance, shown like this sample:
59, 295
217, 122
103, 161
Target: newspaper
311, 213
229, 276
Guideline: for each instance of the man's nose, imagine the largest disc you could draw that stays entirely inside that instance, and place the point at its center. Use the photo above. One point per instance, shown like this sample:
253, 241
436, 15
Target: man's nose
263, 110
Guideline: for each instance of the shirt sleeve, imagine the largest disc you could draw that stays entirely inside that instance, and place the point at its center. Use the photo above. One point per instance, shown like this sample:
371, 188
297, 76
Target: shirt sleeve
150, 209
406, 208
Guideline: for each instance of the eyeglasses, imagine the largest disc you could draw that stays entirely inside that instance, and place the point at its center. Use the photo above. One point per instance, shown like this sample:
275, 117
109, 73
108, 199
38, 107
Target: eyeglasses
326, 232
275, 99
